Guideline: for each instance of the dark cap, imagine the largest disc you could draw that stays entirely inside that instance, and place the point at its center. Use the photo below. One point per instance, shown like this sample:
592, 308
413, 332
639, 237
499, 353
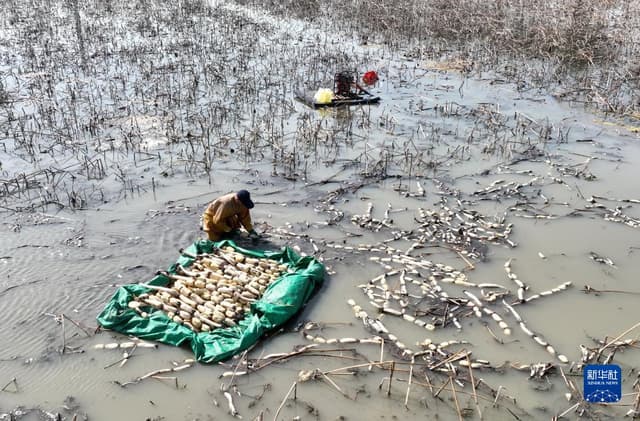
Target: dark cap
245, 198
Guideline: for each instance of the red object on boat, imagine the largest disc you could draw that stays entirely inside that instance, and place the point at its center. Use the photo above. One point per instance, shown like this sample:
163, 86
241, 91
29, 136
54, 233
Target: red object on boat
370, 77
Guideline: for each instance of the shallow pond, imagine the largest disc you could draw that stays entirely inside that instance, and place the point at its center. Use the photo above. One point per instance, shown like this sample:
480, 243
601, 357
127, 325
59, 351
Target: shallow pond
138, 201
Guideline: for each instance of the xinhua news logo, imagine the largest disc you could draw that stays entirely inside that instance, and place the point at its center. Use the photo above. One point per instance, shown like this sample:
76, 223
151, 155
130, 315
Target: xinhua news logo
602, 383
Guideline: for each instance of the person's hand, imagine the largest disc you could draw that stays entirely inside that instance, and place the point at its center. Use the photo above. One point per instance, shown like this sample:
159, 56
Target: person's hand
253, 235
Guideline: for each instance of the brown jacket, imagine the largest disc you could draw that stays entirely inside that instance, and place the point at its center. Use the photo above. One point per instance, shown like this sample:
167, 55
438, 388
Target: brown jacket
224, 215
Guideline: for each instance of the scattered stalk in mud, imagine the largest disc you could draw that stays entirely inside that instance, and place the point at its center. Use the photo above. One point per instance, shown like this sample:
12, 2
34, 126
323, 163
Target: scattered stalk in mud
179, 367
13, 382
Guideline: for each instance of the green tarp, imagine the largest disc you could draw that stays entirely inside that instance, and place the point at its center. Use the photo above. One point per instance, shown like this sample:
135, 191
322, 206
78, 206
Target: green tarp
281, 300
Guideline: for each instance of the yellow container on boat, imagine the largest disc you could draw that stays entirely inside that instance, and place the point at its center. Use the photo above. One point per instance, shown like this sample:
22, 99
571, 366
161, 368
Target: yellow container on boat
323, 96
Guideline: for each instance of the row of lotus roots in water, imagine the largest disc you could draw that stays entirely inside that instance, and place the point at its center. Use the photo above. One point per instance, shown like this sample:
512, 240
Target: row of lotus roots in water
466, 231
415, 290
216, 290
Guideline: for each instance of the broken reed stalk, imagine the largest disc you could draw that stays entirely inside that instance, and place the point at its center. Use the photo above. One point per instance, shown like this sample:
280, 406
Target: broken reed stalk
618, 337
156, 372
455, 398
291, 389
64, 316
235, 370
332, 383
292, 354
469, 264
172, 378
571, 408
406, 396
495, 401
325, 354
428, 385
441, 388
575, 393
493, 335
351, 367
453, 357
64, 335
121, 360
635, 411
15, 383
588, 289
391, 370
473, 387
270, 359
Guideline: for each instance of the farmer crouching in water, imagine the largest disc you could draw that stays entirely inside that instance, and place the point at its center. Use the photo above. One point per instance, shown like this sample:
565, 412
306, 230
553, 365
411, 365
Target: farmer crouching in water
227, 214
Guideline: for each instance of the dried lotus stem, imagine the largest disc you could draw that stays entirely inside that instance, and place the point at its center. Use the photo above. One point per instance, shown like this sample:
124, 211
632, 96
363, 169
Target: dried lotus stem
186, 364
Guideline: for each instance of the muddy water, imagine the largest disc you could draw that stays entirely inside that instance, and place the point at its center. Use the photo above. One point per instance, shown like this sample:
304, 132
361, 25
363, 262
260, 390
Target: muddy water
465, 130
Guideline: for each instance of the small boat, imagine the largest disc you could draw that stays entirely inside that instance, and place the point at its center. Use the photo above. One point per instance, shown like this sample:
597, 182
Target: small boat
346, 91
307, 98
